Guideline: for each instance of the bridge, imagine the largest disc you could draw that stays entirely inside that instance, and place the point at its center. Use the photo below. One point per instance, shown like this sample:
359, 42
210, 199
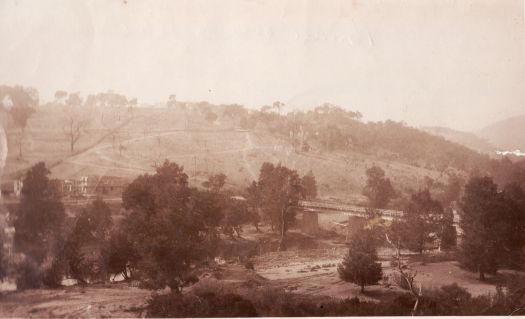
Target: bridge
313, 209
346, 209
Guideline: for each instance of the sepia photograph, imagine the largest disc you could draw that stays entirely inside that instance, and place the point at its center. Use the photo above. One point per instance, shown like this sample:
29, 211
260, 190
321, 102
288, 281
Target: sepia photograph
262, 158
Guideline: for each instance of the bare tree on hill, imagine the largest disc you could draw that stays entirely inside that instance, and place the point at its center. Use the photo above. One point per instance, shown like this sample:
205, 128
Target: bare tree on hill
75, 119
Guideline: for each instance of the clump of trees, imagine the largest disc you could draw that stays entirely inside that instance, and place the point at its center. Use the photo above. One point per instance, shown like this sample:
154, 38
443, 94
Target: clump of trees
87, 248
425, 222
493, 224
236, 214
169, 230
170, 226
39, 220
277, 192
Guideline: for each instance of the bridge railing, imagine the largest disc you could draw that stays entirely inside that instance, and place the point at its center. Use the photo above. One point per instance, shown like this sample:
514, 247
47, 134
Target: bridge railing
356, 210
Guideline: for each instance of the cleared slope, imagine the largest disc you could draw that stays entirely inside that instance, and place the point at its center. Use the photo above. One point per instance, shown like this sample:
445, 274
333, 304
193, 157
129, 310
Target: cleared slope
134, 142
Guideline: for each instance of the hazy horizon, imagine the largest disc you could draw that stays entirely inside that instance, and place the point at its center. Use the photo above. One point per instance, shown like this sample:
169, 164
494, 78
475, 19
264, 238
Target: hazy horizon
428, 63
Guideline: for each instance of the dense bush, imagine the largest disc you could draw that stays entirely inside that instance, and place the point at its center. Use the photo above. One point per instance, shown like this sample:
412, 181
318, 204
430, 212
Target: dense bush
86, 249
28, 274
448, 300
53, 276
203, 305
493, 224
3, 261
170, 227
39, 220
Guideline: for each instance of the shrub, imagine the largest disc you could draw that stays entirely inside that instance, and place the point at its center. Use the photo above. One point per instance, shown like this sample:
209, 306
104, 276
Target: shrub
448, 300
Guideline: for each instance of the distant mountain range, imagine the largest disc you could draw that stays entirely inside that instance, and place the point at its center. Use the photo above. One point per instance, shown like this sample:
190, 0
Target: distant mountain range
508, 134
503, 137
467, 139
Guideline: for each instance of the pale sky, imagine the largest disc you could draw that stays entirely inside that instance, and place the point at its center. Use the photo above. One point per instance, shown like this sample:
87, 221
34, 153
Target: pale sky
442, 62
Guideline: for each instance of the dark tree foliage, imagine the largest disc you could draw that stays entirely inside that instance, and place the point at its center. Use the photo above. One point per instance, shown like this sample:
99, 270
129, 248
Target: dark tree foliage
378, 188
397, 232
171, 227
86, 250
452, 191
208, 209
280, 190
480, 245
309, 186
492, 224
215, 182
167, 188
39, 216
3, 261
94, 223
504, 171
29, 275
254, 203
514, 199
122, 256
236, 213
360, 266
422, 217
446, 231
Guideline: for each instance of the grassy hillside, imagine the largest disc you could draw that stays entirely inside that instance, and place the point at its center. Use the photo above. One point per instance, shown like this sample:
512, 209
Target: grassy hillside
129, 142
